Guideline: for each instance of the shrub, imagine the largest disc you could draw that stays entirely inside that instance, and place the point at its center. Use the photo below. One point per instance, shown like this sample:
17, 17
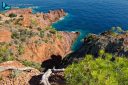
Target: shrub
14, 73
59, 36
9, 58
12, 15
41, 33
32, 64
20, 49
53, 31
33, 21
22, 34
5, 53
49, 27
117, 29
99, 71
46, 41
15, 35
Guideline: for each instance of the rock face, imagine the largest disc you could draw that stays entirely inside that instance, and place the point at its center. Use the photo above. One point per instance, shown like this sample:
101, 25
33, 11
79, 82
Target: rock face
28, 39
15, 77
44, 51
30, 36
35, 47
110, 42
5, 35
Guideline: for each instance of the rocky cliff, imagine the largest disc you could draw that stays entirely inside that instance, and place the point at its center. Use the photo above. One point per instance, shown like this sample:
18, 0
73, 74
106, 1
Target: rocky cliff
43, 20
29, 40
110, 41
39, 41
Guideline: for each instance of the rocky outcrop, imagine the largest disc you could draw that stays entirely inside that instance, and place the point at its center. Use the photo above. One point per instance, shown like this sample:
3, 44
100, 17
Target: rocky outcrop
41, 52
42, 20
109, 41
16, 77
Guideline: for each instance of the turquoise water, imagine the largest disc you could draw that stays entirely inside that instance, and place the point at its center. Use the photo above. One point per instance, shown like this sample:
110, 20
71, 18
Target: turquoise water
86, 16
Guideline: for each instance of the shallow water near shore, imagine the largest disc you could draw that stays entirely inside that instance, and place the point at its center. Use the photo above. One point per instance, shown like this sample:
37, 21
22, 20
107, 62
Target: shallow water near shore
86, 16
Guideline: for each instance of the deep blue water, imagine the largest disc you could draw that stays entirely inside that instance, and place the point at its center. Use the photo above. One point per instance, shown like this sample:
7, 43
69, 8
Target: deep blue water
86, 16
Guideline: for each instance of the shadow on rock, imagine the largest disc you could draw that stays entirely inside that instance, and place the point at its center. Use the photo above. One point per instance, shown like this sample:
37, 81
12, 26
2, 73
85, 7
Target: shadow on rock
35, 80
54, 62
57, 79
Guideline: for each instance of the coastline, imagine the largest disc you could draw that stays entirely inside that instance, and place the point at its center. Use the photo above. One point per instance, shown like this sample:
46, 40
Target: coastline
78, 41
62, 18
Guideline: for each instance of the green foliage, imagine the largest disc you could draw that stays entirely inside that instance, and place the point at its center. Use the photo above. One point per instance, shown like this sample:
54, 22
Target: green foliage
46, 41
90, 37
12, 15
5, 53
22, 34
99, 71
101, 52
53, 31
41, 33
15, 73
113, 28
32, 64
33, 21
49, 27
59, 36
117, 29
20, 49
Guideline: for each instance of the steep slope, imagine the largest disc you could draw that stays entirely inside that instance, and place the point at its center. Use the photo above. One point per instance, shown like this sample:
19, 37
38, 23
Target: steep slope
34, 42
28, 40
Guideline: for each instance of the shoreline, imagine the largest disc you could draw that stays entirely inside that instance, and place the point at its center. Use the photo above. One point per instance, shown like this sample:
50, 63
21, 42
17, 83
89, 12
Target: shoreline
77, 41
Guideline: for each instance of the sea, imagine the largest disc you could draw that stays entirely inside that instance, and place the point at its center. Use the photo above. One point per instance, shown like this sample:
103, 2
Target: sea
84, 16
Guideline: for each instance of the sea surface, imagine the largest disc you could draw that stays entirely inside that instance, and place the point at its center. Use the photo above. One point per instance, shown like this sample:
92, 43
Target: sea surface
85, 16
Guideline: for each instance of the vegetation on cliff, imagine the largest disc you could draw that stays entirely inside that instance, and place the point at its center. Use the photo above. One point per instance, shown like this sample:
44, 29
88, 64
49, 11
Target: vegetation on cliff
102, 60
104, 70
28, 40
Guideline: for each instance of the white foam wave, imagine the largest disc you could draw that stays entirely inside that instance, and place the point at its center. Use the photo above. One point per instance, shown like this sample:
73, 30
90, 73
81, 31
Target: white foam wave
34, 7
62, 18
